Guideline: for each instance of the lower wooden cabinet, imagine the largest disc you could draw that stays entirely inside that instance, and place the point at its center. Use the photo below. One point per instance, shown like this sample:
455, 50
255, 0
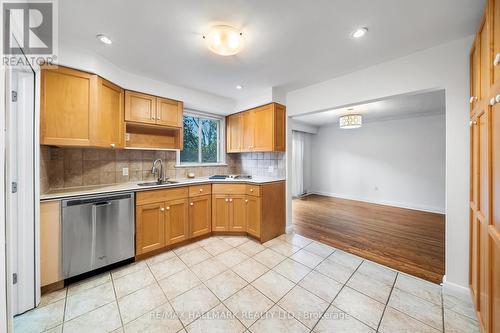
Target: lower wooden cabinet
200, 215
237, 213
176, 221
150, 227
252, 215
220, 212
50, 242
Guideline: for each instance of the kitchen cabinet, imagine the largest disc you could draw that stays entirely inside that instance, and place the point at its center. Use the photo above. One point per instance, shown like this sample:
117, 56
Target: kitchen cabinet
169, 112
176, 221
150, 227
220, 212
237, 213
50, 242
261, 129
151, 110
80, 109
200, 215
253, 215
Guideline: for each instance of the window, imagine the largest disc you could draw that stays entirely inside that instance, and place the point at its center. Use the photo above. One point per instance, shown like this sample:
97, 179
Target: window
202, 144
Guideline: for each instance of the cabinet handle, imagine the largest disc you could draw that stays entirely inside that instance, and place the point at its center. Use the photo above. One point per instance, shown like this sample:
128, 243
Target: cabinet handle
497, 98
191, 204
201, 190
158, 118
112, 145
162, 209
246, 200
251, 190
474, 122
472, 99
168, 207
496, 62
230, 200
227, 200
493, 101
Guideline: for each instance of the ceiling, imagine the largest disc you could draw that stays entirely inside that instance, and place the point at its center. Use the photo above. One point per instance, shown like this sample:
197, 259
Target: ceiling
403, 106
289, 43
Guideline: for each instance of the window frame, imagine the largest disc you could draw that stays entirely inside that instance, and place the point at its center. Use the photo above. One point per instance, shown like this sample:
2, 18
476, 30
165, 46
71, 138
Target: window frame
221, 135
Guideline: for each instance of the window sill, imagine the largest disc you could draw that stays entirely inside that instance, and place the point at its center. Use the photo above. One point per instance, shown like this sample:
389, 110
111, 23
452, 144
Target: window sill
194, 165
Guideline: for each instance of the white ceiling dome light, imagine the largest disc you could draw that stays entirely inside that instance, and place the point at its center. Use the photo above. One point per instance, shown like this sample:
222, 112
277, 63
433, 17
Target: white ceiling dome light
360, 32
104, 39
224, 40
350, 121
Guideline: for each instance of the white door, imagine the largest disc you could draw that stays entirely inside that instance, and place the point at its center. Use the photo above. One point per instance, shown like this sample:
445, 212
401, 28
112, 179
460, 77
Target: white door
20, 185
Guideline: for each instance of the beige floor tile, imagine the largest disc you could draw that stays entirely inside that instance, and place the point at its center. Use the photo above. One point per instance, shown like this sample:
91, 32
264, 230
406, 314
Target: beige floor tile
321, 285
273, 242
57, 329
250, 269
127, 269
192, 304
248, 305
277, 320
292, 270
429, 291
251, 248
179, 283
304, 306
160, 257
295, 239
335, 271
207, 241
41, 318
456, 323
159, 320
89, 300
235, 241
186, 248
89, 283
284, 248
132, 282
273, 285
215, 248
369, 286
219, 319
396, 322
208, 269
319, 249
309, 259
360, 306
337, 321
194, 256
103, 319
231, 257
166, 268
461, 304
378, 272
346, 259
140, 302
418, 308
269, 258
225, 284
52, 297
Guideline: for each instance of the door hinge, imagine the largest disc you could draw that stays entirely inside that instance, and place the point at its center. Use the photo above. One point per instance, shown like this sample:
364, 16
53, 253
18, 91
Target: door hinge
14, 96
14, 278
14, 187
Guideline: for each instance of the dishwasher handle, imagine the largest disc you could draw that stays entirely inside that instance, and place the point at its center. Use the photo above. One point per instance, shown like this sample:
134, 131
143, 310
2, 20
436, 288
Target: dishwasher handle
104, 203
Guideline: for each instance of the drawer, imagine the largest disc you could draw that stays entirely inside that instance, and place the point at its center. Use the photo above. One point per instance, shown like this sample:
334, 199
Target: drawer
197, 190
153, 196
228, 188
253, 190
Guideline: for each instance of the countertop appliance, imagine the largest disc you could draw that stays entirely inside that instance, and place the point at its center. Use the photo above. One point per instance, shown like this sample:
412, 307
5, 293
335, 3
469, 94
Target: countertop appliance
97, 231
230, 177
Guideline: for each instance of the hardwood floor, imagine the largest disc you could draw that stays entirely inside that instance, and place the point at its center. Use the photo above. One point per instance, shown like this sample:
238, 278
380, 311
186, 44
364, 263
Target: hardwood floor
407, 240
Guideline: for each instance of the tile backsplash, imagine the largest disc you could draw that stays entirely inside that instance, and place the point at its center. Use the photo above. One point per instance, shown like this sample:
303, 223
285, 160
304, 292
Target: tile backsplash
72, 167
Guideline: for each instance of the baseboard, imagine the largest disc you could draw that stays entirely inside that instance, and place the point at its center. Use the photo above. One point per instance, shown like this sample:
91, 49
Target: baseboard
456, 288
381, 202
289, 229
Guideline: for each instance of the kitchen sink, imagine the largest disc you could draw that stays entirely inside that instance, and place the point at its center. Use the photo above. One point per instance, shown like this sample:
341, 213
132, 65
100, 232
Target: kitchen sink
163, 182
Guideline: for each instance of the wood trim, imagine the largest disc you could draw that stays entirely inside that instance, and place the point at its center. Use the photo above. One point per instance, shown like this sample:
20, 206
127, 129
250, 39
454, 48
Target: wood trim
50, 242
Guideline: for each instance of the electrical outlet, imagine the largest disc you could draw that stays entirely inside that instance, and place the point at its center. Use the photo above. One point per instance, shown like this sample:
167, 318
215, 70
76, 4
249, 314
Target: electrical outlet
127, 136
125, 171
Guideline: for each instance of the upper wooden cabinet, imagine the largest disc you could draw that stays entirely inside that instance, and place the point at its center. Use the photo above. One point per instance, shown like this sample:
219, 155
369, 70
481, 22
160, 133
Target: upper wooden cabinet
80, 109
261, 129
152, 110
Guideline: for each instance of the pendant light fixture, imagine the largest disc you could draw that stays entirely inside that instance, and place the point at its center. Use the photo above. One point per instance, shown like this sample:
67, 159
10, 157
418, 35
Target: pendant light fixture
350, 121
224, 40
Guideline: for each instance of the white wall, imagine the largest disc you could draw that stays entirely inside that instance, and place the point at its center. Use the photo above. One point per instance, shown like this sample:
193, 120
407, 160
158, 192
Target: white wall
445, 67
72, 56
396, 162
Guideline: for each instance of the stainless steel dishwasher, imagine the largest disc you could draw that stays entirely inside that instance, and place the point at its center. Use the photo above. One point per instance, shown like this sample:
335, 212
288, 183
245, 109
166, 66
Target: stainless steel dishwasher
96, 231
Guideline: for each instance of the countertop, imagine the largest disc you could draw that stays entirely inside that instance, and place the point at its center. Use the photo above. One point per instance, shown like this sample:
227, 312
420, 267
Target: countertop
133, 187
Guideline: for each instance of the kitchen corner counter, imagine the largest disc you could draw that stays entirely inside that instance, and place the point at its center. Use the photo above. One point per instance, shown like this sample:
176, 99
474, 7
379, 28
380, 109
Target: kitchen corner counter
57, 194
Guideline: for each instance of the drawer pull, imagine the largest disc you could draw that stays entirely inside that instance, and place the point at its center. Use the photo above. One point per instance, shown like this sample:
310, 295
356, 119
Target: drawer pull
191, 204
251, 190
230, 200
497, 60
246, 200
227, 200
201, 190
168, 207
162, 209
497, 98
473, 99
493, 101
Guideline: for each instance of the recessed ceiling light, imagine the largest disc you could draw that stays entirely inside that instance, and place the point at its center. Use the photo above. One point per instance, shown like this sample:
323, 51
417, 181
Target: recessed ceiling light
239, 87
224, 40
104, 39
358, 33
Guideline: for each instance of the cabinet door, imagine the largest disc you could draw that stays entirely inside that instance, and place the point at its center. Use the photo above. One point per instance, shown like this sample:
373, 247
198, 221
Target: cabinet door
279, 127
248, 126
169, 112
176, 221
495, 30
200, 215
494, 229
108, 127
50, 242
474, 76
253, 212
150, 233
140, 108
68, 101
264, 125
220, 212
234, 133
474, 227
237, 221
485, 61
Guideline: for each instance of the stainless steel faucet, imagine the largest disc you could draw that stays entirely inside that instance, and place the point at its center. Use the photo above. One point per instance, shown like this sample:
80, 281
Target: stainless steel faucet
158, 173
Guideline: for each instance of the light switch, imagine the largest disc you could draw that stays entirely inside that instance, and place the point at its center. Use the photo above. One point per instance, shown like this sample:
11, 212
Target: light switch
125, 171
